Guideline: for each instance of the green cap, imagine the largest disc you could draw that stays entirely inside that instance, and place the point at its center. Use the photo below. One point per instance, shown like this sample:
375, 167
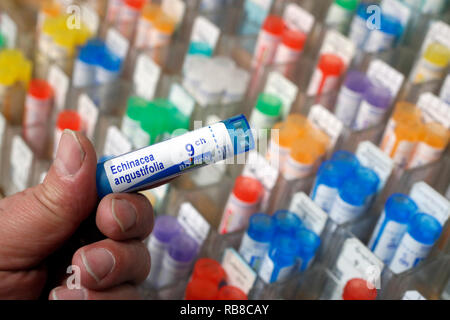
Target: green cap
2, 42
349, 5
136, 107
269, 104
177, 119
154, 121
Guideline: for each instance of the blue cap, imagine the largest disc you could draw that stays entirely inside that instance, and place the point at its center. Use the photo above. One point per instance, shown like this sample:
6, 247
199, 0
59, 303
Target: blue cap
390, 25
368, 179
362, 10
182, 248
261, 227
308, 243
347, 160
286, 222
283, 249
166, 227
110, 61
240, 134
332, 174
424, 228
353, 192
400, 208
90, 53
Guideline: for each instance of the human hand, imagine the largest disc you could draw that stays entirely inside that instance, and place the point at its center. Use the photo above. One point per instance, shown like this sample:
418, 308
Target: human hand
38, 221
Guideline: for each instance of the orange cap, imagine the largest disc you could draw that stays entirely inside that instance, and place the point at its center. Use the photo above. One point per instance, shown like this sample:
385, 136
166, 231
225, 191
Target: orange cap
201, 289
357, 289
294, 39
40, 89
435, 135
248, 189
288, 133
231, 293
331, 64
274, 24
209, 269
69, 119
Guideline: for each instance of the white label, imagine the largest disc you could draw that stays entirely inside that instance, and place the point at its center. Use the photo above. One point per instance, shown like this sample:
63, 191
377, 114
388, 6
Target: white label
146, 77
403, 153
174, 9
408, 254
293, 170
327, 122
270, 274
445, 90
320, 85
368, 116
434, 109
342, 212
90, 17
205, 31
60, 84
117, 43
339, 45
297, 18
140, 138
396, 9
253, 251
284, 89
236, 214
259, 120
379, 41
20, 161
413, 295
338, 17
172, 271
372, 157
430, 201
89, 115
239, 273
265, 48
116, 143
161, 161
8, 29
258, 167
356, 261
182, 100
384, 74
424, 154
347, 105
385, 241
193, 223
325, 197
312, 216
156, 249
358, 31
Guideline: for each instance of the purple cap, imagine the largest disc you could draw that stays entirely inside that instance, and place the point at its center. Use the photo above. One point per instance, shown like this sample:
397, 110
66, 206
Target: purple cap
166, 227
378, 96
183, 248
356, 81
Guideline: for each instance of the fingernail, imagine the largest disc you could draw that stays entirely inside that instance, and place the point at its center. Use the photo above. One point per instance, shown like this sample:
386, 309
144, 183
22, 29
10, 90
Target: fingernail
69, 294
70, 154
124, 213
99, 262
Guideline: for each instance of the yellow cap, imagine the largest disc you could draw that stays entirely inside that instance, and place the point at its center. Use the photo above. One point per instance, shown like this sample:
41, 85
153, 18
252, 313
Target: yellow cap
14, 67
437, 54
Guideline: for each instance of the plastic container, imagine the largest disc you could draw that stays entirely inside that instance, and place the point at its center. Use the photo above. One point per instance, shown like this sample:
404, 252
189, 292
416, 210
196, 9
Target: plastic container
286, 223
423, 231
359, 289
385, 37
201, 289
135, 112
391, 226
256, 241
432, 64
340, 14
244, 200
326, 75
308, 243
268, 40
350, 96
266, 112
209, 270
359, 31
145, 25
290, 50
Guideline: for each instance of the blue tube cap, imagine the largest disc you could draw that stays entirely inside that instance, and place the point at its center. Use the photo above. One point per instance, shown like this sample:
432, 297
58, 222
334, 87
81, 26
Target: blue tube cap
261, 227
367, 179
400, 208
240, 134
424, 228
308, 242
286, 222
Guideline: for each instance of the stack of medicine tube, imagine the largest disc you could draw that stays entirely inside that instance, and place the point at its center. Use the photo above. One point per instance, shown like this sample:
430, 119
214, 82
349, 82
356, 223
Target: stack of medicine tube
277, 244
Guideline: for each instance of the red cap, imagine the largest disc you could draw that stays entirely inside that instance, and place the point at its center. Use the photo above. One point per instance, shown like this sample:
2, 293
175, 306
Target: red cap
248, 189
357, 289
40, 89
201, 289
331, 64
294, 39
69, 119
231, 293
137, 4
274, 24
209, 269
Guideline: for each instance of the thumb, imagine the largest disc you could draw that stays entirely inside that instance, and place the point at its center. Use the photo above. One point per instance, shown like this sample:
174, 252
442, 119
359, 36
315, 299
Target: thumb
37, 221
